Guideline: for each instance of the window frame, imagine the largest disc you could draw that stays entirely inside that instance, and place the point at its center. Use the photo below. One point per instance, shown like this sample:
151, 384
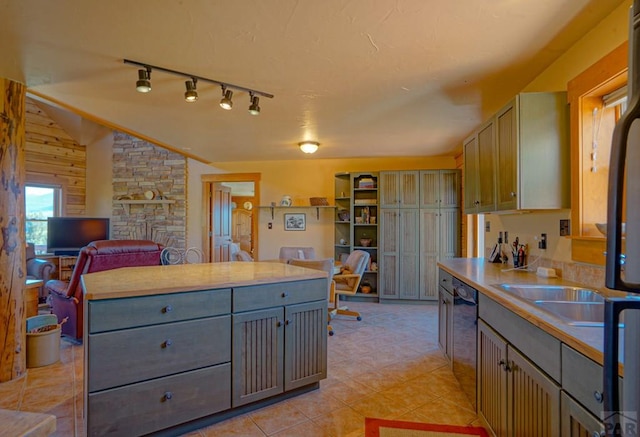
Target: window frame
58, 195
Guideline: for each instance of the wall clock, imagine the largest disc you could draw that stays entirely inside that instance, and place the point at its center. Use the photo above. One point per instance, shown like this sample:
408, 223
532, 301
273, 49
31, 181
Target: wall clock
248, 205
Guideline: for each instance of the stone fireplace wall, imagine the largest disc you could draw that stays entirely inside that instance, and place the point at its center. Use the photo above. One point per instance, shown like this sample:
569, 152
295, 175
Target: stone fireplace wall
139, 166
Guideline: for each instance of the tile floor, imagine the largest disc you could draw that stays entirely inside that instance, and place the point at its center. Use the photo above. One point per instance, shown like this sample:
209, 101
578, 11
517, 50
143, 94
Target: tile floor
388, 365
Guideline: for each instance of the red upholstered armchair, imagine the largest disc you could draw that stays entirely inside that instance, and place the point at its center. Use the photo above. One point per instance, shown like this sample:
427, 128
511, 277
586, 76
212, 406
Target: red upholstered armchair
67, 297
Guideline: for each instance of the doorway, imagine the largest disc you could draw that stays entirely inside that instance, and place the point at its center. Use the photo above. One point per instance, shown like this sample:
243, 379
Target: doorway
233, 225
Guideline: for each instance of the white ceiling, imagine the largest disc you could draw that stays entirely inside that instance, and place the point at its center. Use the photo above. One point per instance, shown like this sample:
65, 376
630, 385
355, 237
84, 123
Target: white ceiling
365, 78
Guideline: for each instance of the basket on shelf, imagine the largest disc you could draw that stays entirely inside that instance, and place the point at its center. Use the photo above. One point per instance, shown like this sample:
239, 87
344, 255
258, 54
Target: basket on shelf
344, 215
318, 201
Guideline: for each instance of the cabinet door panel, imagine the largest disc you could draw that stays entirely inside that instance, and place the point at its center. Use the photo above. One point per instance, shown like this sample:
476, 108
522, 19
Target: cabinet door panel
409, 181
449, 245
506, 158
258, 350
486, 173
429, 249
389, 189
409, 254
305, 344
471, 183
492, 379
430, 189
450, 188
576, 421
534, 407
445, 322
389, 253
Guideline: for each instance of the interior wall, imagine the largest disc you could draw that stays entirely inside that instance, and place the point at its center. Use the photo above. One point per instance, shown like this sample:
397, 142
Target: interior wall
100, 173
305, 178
602, 39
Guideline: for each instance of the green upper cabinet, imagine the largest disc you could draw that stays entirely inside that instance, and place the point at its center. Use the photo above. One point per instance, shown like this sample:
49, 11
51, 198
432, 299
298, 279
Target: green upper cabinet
519, 159
399, 189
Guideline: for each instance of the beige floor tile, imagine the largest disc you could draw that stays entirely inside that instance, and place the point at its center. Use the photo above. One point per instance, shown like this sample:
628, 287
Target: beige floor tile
341, 422
277, 417
305, 429
241, 426
316, 403
380, 406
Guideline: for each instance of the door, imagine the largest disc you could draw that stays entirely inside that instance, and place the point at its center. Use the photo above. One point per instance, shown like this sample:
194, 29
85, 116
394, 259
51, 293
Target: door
471, 184
408, 272
492, 379
506, 157
242, 223
389, 246
221, 217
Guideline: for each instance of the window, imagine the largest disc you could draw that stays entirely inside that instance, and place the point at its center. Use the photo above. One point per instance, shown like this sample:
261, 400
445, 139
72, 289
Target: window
41, 201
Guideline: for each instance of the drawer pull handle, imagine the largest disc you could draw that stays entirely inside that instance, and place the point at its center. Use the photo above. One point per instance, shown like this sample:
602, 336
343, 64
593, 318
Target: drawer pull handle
285, 294
279, 323
287, 322
167, 396
598, 396
505, 365
167, 309
167, 343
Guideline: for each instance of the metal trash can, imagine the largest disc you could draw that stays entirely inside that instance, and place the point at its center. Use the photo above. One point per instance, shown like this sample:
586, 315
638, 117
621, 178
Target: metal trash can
43, 348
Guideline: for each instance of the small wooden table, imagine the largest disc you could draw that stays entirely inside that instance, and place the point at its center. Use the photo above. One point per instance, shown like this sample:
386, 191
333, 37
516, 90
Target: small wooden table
31, 295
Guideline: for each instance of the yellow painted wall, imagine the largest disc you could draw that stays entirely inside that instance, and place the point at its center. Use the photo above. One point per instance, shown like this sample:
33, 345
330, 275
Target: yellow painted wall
602, 39
302, 179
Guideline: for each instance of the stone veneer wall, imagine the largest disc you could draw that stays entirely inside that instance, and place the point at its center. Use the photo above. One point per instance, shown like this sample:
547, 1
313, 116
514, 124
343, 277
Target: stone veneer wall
139, 166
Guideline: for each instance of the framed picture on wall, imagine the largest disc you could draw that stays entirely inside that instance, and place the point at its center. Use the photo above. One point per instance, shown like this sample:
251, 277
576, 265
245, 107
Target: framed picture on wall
295, 222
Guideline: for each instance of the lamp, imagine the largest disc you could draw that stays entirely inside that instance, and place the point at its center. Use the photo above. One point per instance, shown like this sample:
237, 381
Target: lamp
225, 102
143, 84
309, 146
191, 95
254, 109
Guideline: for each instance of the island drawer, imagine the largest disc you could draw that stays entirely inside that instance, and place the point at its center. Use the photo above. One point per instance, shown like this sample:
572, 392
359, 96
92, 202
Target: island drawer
271, 295
582, 378
132, 355
149, 406
112, 314
446, 280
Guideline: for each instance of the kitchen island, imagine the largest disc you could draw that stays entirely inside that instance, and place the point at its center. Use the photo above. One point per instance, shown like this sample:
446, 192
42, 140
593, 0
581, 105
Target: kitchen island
537, 374
173, 348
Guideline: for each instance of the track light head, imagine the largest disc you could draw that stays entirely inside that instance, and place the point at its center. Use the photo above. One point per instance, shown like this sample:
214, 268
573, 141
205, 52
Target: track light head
191, 95
143, 84
309, 146
225, 102
254, 109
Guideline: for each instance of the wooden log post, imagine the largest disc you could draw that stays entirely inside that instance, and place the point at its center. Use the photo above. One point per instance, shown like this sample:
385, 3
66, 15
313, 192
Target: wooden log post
12, 231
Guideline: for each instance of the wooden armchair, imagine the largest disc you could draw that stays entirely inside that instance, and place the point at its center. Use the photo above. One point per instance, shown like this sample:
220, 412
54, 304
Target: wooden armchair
348, 281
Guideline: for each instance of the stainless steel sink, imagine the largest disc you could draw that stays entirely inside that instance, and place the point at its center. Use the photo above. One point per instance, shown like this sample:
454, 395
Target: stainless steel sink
576, 313
538, 292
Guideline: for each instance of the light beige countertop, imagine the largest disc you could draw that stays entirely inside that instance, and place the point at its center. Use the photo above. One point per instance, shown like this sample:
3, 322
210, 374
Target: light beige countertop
482, 275
23, 423
145, 281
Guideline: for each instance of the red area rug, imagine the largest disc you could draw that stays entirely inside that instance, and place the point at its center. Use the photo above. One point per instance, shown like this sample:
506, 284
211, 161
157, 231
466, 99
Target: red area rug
398, 428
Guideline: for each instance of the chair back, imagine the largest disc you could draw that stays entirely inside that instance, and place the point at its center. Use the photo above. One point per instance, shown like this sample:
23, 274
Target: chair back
243, 255
358, 261
103, 255
325, 264
287, 253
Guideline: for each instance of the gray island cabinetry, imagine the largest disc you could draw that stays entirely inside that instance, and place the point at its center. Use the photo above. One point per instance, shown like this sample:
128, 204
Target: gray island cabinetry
169, 349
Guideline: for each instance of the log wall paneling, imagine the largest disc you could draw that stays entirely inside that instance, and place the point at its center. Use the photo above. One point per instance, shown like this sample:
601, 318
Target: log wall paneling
54, 157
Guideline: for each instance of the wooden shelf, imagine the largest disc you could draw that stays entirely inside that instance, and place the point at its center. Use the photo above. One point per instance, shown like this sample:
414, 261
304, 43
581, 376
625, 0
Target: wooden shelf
317, 207
164, 202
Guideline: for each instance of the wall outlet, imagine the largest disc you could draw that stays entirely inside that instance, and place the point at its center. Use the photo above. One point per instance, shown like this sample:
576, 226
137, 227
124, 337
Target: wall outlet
542, 244
565, 227
487, 226
270, 226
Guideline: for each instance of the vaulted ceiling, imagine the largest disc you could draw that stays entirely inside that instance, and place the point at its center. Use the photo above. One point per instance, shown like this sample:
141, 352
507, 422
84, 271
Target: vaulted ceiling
363, 77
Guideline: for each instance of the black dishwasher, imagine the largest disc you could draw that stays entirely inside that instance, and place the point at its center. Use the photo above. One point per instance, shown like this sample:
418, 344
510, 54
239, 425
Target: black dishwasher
465, 323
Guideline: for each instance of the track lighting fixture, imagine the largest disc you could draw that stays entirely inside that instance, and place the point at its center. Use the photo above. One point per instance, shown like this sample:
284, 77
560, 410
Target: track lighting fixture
143, 85
191, 95
225, 102
309, 146
254, 109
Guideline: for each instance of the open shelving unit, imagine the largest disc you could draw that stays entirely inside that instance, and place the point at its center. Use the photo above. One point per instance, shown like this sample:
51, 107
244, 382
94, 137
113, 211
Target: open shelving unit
356, 198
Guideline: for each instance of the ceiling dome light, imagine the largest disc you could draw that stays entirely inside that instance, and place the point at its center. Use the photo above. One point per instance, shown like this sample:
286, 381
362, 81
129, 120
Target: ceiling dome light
309, 146
254, 109
225, 102
191, 95
143, 84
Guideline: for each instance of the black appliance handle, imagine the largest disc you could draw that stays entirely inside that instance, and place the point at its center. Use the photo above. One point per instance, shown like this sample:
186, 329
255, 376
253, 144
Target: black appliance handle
612, 309
613, 278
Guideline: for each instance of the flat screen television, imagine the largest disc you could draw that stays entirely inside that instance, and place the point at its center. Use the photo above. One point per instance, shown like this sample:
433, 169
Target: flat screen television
67, 235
